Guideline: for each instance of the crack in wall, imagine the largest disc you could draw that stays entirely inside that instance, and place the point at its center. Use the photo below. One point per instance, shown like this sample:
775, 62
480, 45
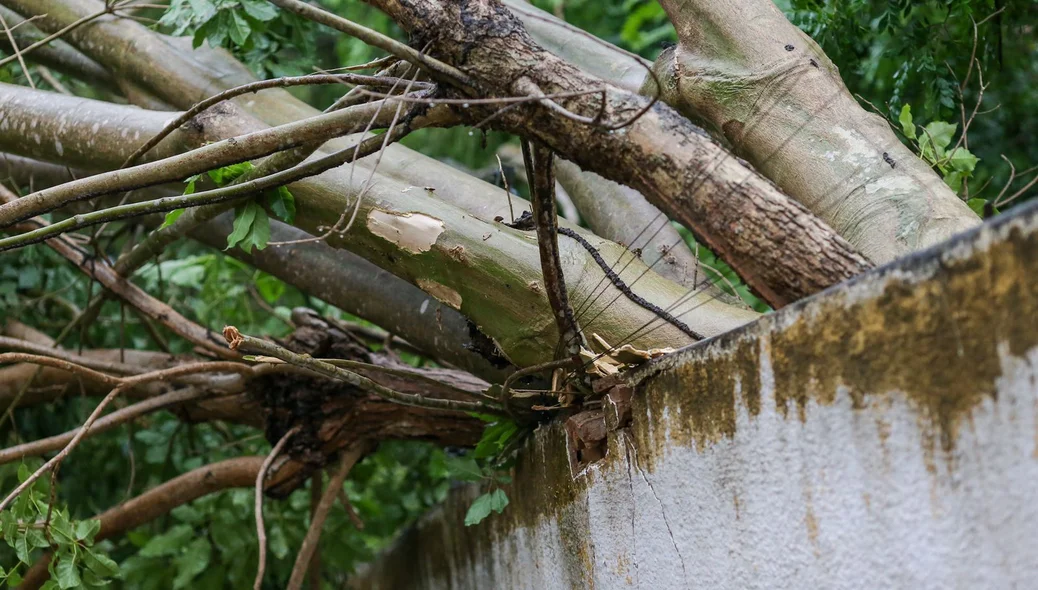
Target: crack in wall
634, 512
663, 513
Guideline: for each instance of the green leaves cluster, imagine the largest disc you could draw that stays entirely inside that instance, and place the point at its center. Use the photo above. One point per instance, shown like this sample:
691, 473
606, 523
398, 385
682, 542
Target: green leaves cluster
933, 140
487, 464
261, 35
76, 562
251, 223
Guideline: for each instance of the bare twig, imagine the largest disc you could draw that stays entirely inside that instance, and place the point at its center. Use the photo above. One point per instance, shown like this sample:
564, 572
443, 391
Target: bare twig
540, 162
238, 149
17, 52
122, 384
307, 169
314, 79
117, 418
313, 534
435, 67
61, 33
260, 529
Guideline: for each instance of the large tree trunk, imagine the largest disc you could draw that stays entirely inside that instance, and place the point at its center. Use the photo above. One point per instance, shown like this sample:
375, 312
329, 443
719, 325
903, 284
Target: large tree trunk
795, 122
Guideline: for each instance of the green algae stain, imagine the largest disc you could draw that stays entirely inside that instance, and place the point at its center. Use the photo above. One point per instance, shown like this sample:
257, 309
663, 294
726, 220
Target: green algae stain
929, 334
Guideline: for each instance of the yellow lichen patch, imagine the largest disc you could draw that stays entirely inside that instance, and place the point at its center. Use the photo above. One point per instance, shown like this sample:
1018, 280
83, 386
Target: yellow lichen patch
413, 232
445, 294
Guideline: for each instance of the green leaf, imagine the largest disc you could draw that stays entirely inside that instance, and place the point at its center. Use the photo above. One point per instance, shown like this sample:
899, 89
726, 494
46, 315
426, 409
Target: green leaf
66, 572
963, 160
218, 28
227, 174
86, 529
954, 180
191, 562
172, 216
979, 206
259, 234
243, 218
260, 10
494, 438
479, 510
23, 473
941, 134
100, 564
906, 122
22, 549
188, 514
239, 30
14, 579
203, 9
464, 468
498, 501
169, 542
282, 203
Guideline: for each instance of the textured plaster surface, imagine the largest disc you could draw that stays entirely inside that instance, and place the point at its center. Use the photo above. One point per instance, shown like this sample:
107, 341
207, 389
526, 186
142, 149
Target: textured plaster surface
880, 435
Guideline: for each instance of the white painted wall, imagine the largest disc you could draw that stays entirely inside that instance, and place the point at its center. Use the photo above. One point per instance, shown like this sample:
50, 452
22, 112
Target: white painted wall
841, 497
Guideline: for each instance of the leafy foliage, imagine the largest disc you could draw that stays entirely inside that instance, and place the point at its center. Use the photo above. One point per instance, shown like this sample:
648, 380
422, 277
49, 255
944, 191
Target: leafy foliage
251, 223
264, 37
933, 140
488, 464
31, 527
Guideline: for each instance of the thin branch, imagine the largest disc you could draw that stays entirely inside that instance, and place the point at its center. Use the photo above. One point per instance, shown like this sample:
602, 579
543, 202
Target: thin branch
435, 67
57, 363
506, 389
218, 195
61, 33
540, 169
238, 341
113, 420
103, 273
17, 344
261, 531
229, 151
287, 82
121, 386
17, 52
313, 534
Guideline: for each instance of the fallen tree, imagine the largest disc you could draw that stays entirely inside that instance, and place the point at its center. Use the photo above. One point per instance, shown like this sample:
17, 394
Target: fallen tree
791, 184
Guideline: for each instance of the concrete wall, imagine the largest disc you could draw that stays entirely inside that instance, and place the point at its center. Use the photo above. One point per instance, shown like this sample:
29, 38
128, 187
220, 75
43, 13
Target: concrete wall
880, 435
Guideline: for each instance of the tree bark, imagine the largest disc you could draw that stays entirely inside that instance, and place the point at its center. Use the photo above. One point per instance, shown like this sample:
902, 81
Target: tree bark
776, 245
788, 112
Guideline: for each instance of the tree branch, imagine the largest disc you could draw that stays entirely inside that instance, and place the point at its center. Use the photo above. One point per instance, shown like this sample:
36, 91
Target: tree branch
776, 245
261, 531
117, 418
238, 341
229, 151
313, 535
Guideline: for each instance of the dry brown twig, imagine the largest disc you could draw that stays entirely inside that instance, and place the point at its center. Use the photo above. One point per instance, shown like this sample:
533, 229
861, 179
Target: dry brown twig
120, 384
313, 534
261, 531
